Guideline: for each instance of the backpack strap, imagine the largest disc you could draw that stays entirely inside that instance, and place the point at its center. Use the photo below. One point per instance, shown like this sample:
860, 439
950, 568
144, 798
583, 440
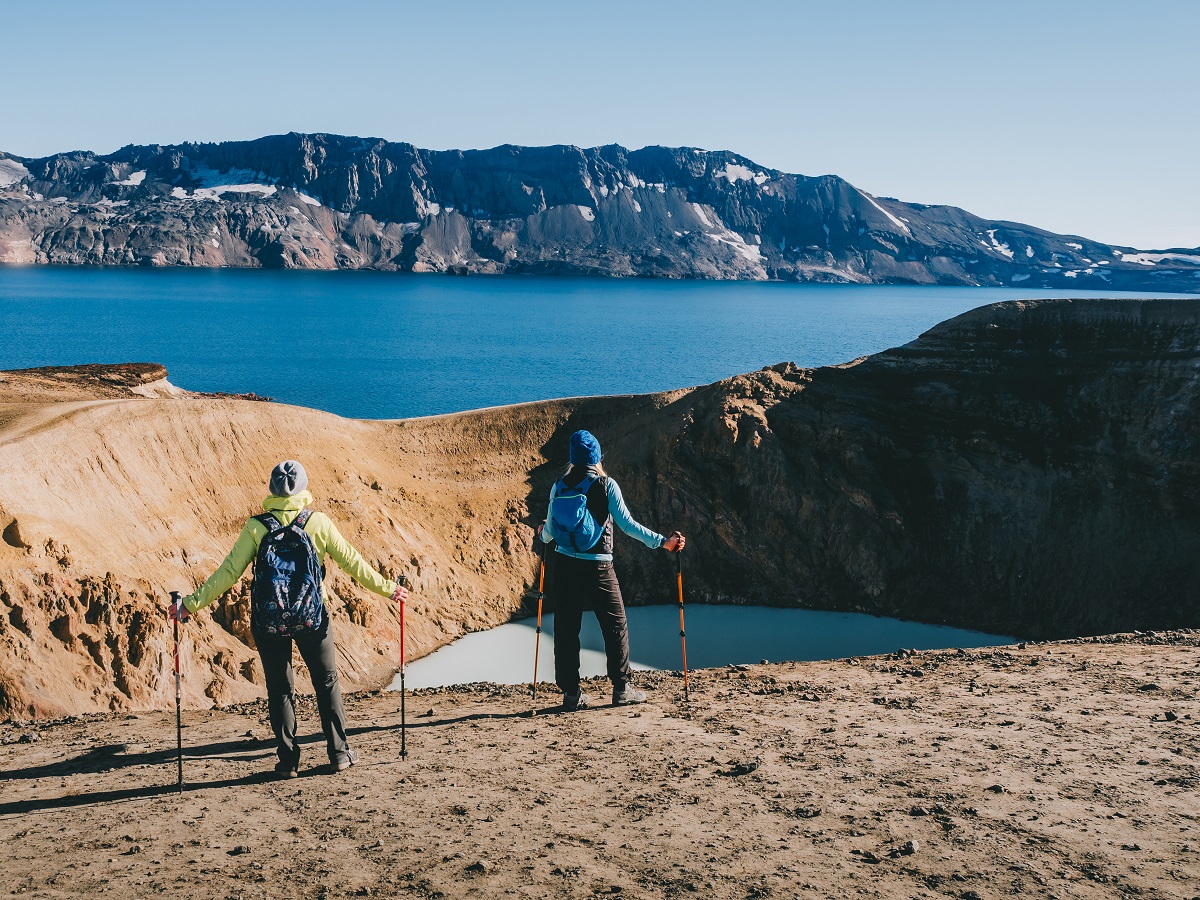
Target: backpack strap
585, 485
273, 524
299, 522
269, 522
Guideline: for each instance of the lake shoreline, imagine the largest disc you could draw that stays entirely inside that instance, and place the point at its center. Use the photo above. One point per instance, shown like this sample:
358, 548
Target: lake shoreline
719, 634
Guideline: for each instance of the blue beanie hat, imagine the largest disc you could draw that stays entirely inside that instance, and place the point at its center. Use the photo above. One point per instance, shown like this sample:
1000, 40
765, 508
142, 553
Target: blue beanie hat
585, 449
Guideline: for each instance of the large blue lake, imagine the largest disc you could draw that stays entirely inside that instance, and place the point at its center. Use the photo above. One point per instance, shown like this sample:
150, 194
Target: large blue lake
381, 345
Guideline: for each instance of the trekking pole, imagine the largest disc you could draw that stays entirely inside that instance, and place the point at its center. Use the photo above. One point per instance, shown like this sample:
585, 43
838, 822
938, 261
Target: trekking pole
177, 602
537, 641
402, 581
682, 630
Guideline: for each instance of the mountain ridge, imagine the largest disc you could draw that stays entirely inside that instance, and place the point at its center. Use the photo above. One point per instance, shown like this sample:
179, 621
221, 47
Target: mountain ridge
331, 201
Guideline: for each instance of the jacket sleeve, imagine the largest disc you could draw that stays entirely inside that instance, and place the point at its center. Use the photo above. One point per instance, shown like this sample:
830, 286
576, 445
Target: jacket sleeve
229, 572
352, 562
546, 535
623, 520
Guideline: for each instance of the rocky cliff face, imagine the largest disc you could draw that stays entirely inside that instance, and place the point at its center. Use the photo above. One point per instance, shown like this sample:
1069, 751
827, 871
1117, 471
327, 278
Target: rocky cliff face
326, 201
1027, 468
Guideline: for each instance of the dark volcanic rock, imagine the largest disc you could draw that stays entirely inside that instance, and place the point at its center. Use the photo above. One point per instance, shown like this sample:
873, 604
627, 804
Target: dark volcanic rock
326, 201
1026, 468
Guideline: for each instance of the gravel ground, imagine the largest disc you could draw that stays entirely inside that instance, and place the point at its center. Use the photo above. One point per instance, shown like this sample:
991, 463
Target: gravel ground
1064, 769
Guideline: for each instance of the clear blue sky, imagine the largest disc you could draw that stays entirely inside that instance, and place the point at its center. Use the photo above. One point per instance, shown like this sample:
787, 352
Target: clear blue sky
1079, 117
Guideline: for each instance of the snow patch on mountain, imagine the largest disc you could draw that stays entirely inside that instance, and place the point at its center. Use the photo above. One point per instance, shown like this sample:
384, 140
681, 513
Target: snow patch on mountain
1150, 259
11, 172
214, 193
749, 251
213, 184
894, 220
587, 212
735, 173
134, 179
999, 246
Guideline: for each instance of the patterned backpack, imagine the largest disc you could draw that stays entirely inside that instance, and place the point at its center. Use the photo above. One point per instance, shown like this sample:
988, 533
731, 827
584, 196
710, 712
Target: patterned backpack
285, 598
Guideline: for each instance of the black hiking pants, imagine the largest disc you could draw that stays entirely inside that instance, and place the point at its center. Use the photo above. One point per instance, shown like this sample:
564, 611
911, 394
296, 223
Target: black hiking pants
577, 585
320, 655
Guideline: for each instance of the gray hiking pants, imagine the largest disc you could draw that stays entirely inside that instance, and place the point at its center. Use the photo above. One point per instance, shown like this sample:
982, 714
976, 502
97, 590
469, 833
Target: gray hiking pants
320, 655
577, 585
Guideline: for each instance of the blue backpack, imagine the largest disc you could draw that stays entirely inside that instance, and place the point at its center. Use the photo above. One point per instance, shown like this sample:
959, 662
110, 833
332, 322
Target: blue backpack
571, 522
285, 598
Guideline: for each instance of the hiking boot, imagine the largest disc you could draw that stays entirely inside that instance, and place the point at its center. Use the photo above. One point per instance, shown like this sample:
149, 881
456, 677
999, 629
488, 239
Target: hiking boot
342, 763
572, 702
286, 770
627, 696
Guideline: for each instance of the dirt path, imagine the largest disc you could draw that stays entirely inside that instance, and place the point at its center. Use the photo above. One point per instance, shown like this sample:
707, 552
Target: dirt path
1064, 770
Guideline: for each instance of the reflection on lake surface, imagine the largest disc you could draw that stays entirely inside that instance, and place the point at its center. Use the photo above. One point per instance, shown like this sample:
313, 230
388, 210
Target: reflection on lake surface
716, 636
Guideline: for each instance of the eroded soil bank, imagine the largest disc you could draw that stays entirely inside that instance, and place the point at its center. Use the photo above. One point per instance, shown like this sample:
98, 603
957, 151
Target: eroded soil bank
1061, 769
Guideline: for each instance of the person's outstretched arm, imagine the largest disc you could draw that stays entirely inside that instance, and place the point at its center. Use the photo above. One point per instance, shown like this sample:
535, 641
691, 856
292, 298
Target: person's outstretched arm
352, 562
620, 513
229, 572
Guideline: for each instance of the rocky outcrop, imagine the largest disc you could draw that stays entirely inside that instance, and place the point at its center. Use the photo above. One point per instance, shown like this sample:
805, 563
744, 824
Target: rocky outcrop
1027, 469
326, 201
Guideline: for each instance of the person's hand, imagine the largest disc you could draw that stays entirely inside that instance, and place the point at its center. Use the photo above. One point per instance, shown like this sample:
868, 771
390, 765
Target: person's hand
178, 612
400, 595
674, 543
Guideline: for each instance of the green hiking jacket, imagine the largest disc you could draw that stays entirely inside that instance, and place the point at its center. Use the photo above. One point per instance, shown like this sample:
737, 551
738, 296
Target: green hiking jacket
325, 538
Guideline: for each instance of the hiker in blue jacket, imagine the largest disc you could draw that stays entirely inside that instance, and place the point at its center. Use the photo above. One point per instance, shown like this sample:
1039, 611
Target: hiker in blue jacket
584, 505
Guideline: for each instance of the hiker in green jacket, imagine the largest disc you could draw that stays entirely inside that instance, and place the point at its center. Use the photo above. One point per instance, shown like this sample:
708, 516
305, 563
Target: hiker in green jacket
314, 538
